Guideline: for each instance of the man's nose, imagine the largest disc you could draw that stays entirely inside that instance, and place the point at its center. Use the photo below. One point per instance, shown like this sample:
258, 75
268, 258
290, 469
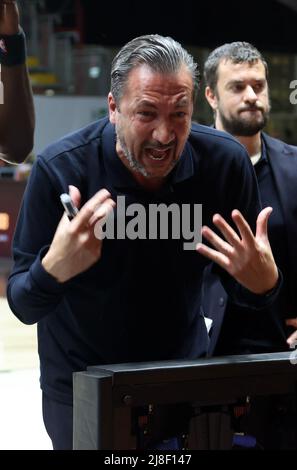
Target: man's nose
249, 94
163, 133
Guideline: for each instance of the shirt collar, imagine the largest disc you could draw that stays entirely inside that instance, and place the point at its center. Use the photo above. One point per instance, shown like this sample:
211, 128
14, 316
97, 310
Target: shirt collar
263, 158
263, 149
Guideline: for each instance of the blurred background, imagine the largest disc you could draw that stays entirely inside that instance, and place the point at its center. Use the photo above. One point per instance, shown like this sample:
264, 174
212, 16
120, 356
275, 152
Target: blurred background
71, 44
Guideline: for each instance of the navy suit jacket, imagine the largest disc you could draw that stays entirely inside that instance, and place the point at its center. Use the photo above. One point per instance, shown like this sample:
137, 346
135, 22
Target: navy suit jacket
283, 163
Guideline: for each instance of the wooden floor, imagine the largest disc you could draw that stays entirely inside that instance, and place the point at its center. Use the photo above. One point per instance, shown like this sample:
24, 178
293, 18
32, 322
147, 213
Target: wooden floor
21, 424
19, 370
18, 345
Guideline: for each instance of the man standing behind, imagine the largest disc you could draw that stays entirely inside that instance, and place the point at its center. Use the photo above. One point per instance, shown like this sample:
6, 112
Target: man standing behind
17, 111
237, 90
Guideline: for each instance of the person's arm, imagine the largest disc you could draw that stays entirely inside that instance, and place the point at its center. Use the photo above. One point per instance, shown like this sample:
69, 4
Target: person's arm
244, 261
17, 119
47, 256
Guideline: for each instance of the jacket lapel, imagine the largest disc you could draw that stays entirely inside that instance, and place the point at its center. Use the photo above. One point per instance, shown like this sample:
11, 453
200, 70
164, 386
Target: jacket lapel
283, 161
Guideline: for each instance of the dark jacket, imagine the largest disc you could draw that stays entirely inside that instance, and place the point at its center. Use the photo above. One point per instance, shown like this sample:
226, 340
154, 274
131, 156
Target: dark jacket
141, 300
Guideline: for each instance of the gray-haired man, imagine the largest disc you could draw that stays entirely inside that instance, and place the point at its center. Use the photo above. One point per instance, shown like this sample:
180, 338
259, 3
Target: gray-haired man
136, 298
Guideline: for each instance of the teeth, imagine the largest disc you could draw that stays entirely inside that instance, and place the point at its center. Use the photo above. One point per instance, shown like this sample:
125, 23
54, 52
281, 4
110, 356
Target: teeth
157, 158
157, 154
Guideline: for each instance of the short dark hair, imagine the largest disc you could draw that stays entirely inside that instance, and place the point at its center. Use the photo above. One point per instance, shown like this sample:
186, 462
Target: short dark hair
161, 54
236, 52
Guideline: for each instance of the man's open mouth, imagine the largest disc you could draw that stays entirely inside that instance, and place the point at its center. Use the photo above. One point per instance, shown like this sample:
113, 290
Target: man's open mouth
158, 155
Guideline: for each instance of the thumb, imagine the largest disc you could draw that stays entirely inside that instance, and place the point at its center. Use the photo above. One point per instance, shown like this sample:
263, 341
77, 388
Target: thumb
262, 222
292, 340
75, 195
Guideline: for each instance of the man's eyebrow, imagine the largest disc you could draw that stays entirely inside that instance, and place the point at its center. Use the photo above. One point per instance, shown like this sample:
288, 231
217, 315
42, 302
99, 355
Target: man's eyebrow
146, 103
239, 82
180, 103
235, 82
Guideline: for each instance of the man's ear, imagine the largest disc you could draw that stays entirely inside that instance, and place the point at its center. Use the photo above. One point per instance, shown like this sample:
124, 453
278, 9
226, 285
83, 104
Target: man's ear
211, 98
112, 108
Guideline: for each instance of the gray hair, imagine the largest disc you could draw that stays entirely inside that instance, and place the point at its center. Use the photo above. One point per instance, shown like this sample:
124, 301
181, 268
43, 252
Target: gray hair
236, 52
161, 54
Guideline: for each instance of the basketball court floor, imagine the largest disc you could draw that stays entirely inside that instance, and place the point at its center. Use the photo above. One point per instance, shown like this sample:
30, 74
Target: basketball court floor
21, 425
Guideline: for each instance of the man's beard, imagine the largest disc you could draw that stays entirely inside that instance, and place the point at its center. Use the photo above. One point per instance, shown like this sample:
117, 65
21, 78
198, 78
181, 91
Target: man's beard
134, 164
244, 127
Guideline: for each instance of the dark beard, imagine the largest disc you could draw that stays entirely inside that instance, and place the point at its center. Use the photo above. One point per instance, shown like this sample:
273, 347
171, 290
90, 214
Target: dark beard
243, 128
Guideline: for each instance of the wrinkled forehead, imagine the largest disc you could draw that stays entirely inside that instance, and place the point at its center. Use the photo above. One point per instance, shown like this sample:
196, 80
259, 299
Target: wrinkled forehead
143, 77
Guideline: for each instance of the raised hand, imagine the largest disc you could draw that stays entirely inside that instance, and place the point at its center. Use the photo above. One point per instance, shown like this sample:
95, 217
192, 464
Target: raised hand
9, 17
75, 247
247, 258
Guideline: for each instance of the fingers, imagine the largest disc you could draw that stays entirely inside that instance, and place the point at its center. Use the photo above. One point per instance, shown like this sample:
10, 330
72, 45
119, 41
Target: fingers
233, 242
243, 227
225, 250
292, 340
216, 241
102, 212
64, 222
100, 203
75, 195
214, 255
228, 232
262, 222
